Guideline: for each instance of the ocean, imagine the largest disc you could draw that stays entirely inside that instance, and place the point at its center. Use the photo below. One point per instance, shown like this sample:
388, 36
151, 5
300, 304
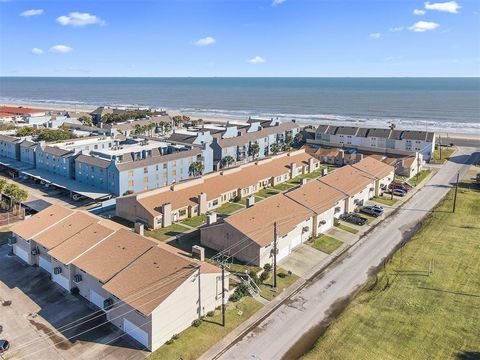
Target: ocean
438, 104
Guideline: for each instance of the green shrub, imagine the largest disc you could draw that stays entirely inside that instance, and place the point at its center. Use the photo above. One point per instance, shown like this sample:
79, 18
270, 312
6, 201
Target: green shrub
210, 313
197, 322
175, 336
282, 275
254, 276
267, 267
264, 276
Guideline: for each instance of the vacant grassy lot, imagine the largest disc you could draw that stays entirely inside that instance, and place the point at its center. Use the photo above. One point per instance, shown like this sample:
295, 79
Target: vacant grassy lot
410, 312
165, 233
446, 153
325, 243
421, 176
228, 208
283, 282
194, 341
385, 200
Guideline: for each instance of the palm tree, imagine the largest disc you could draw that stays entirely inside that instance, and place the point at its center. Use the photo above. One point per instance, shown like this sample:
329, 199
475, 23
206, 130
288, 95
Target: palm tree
392, 126
195, 168
227, 161
253, 150
288, 139
274, 148
298, 139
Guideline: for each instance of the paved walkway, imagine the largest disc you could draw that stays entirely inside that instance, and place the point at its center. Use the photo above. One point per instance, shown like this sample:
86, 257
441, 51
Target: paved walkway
302, 260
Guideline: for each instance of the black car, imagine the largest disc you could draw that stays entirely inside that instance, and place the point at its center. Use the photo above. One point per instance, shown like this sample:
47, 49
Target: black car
354, 219
4, 346
372, 210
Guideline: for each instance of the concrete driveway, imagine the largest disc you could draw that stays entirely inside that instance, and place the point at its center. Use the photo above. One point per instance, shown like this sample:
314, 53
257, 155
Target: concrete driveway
302, 259
43, 321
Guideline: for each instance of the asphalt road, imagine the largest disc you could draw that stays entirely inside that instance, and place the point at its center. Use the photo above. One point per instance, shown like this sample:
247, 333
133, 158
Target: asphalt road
288, 330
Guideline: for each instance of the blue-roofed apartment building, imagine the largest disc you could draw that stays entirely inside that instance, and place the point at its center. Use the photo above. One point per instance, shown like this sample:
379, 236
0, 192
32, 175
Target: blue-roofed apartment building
10, 147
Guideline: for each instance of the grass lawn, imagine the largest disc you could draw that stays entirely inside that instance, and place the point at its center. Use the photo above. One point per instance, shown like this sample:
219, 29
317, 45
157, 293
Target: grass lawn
194, 341
4, 235
165, 233
195, 221
347, 228
411, 313
284, 186
446, 152
264, 193
268, 292
385, 200
243, 201
313, 175
228, 208
325, 243
421, 176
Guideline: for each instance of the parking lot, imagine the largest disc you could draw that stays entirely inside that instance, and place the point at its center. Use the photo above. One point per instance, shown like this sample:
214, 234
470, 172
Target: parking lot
43, 321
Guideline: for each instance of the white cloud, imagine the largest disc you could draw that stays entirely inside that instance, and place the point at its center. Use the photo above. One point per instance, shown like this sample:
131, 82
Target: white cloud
78, 19
31, 12
63, 49
396, 29
419, 12
375, 35
449, 6
277, 2
205, 41
36, 51
257, 60
422, 26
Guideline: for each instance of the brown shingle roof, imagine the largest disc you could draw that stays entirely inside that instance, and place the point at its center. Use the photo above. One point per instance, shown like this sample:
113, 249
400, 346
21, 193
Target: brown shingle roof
152, 277
82, 241
114, 254
66, 228
374, 167
9, 139
348, 180
40, 221
93, 160
28, 144
257, 221
54, 150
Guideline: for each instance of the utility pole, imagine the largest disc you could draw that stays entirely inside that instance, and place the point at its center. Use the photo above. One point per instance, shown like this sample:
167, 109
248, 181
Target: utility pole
274, 284
222, 260
456, 190
440, 147
223, 295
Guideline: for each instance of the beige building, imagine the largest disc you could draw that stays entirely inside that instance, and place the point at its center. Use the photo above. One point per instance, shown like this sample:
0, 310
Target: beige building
149, 290
162, 207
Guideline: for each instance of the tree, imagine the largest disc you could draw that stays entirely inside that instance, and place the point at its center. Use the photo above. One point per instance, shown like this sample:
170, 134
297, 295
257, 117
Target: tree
27, 131
86, 120
298, 139
274, 148
16, 194
195, 168
288, 139
227, 161
3, 184
392, 126
253, 150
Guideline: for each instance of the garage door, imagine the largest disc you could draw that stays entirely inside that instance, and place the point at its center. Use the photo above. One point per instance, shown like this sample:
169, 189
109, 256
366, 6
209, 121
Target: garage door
282, 253
135, 332
62, 281
96, 299
45, 264
295, 242
22, 254
328, 224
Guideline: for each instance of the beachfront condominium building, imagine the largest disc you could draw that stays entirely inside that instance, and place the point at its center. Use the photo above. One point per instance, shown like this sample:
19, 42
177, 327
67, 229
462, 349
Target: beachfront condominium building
150, 291
378, 139
234, 140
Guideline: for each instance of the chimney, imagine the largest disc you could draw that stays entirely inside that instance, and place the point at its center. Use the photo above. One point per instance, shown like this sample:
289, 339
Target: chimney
139, 228
310, 165
167, 214
211, 218
250, 201
198, 252
303, 182
202, 203
292, 170
324, 171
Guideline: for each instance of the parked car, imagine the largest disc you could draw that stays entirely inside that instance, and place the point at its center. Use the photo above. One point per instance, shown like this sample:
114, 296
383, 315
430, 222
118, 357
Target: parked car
399, 186
4, 346
371, 210
398, 192
354, 219
378, 207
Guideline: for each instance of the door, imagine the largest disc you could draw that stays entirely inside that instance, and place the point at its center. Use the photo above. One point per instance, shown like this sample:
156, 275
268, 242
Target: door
62, 281
45, 264
22, 254
96, 299
135, 332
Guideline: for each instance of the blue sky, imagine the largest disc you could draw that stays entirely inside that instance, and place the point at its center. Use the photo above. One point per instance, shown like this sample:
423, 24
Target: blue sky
240, 38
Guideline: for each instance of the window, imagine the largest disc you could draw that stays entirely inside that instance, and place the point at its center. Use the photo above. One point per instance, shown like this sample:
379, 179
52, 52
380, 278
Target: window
182, 212
145, 170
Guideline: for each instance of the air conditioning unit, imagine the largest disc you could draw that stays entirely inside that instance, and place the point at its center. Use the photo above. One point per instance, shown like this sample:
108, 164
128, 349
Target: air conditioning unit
108, 303
305, 229
323, 222
35, 251
337, 209
57, 270
77, 278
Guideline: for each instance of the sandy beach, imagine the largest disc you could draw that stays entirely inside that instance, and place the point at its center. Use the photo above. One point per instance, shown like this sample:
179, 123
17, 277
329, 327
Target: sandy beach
88, 108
